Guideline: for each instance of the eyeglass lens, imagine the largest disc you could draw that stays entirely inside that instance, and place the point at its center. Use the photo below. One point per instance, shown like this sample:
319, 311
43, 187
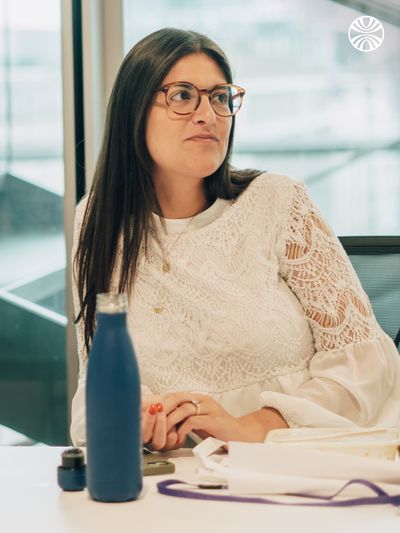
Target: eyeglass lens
183, 98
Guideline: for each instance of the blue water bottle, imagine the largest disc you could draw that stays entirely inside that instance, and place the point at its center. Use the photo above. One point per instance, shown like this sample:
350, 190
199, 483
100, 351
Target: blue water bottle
113, 425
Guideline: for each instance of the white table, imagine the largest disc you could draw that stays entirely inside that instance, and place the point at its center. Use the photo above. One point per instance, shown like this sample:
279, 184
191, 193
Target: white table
31, 501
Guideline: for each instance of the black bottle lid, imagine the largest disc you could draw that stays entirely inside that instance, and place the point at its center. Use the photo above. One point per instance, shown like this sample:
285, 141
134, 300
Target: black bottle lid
71, 474
72, 458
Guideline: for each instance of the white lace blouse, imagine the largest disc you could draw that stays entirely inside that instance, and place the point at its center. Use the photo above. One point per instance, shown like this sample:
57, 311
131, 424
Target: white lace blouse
261, 307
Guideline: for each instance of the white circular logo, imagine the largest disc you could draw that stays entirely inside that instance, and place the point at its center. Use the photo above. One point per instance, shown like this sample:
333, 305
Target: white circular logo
366, 33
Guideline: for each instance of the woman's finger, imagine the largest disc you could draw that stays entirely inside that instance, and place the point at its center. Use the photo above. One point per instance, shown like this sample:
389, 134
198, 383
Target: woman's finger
180, 414
175, 399
149, 418
172, 440
159, 437
149, 400
193, 423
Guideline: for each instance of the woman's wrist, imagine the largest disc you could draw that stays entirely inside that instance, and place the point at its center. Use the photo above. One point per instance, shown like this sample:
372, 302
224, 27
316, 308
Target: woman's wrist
256, 425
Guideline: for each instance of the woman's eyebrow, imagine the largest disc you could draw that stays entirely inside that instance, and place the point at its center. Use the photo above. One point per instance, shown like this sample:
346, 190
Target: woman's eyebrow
183, 82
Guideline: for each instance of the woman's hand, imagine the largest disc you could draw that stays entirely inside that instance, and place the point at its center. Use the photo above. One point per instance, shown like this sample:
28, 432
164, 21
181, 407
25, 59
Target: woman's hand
206, 417
167, 420
154, 425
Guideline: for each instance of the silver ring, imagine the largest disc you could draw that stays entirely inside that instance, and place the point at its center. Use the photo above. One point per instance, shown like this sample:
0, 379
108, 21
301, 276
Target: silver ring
196, 403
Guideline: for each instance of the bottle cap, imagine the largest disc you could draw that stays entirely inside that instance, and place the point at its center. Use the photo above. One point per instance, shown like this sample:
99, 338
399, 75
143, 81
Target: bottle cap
110, 303
72, 458
71, 475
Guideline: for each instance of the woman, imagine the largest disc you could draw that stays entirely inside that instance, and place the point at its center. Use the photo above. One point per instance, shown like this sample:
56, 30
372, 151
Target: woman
244, 310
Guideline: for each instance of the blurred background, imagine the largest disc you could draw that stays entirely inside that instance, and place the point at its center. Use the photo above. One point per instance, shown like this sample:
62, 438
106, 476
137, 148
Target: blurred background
315, 108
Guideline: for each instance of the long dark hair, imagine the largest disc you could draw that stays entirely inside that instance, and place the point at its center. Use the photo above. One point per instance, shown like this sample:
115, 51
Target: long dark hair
122, 197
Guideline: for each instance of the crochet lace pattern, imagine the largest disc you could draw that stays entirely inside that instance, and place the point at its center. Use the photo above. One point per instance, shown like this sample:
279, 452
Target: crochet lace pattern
251, 295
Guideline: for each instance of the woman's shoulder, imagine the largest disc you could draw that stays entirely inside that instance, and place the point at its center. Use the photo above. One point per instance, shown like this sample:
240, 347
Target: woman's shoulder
81, 205
80, 210
271, 188
274, 182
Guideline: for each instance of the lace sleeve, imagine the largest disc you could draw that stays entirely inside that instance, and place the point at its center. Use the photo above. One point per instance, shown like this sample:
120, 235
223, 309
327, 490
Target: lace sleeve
317, 269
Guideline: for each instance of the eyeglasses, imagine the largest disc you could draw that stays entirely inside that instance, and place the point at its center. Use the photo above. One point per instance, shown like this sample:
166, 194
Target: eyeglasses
184, 98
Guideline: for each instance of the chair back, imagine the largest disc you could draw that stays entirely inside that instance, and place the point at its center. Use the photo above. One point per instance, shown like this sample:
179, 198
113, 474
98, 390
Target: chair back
377, 263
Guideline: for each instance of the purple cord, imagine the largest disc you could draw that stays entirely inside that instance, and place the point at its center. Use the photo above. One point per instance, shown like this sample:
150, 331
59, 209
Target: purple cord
382, 497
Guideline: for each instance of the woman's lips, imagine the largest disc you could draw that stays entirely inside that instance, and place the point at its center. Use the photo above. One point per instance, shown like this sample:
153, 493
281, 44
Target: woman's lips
203, 139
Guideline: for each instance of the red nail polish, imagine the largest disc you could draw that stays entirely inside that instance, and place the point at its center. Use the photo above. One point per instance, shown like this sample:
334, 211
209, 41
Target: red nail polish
160, 407
153, 409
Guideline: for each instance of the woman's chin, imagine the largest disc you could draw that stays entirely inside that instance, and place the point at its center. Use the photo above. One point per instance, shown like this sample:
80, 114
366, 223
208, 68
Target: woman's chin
204, 169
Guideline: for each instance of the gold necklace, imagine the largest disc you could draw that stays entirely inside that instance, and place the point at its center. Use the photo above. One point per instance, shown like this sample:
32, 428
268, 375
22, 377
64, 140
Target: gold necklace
166, 266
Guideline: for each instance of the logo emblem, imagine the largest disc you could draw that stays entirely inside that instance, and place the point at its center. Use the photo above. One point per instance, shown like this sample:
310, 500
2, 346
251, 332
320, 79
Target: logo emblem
366, 34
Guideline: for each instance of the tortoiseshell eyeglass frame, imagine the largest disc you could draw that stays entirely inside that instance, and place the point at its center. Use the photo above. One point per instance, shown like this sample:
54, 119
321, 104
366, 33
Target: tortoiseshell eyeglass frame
240, 92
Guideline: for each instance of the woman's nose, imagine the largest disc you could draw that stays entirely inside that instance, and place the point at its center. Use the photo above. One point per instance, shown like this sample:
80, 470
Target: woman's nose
204, 113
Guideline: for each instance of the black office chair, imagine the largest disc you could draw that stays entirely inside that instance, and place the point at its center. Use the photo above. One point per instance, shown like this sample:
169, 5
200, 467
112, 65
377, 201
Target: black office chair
377, 263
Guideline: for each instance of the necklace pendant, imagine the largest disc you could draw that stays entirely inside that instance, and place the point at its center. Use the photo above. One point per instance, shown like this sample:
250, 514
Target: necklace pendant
166, 267
158, 310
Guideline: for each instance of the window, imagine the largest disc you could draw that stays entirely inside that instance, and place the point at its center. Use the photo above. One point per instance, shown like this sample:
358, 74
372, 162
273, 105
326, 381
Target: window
315, 107
32, 245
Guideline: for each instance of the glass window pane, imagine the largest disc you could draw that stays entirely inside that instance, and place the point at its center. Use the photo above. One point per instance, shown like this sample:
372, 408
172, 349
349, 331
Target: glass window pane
32, 246
315, 107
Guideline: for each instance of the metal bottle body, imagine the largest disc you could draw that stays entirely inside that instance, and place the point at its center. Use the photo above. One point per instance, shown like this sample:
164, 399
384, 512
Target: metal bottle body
114, 447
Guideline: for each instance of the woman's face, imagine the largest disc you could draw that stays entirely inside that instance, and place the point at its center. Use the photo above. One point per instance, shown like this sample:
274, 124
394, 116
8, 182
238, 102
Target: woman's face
172, 139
